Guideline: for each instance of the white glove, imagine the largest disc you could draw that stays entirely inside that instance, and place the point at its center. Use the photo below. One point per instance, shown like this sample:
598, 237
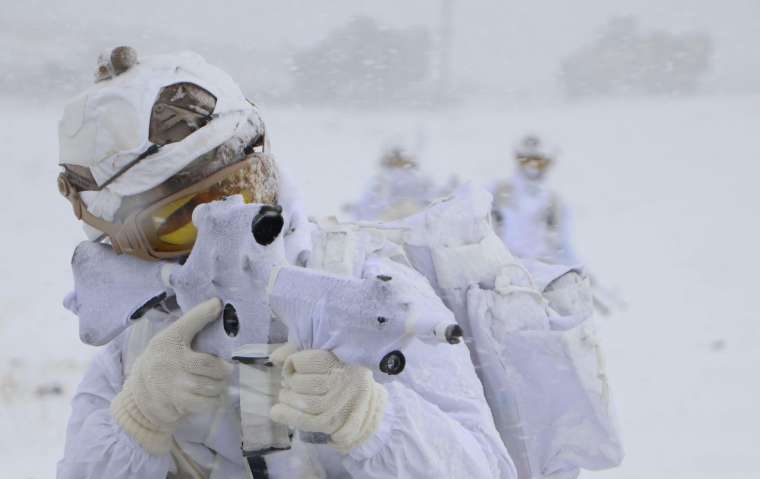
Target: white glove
321, 393
169, 381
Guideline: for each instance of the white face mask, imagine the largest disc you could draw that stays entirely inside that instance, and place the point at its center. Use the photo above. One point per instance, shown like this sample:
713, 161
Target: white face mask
533, 171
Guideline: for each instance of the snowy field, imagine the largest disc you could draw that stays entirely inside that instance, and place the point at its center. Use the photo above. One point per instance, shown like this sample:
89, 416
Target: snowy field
665, 197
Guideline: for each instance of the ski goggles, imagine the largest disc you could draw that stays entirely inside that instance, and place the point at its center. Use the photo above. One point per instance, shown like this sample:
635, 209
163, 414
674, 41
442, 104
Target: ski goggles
160, 225
539, 162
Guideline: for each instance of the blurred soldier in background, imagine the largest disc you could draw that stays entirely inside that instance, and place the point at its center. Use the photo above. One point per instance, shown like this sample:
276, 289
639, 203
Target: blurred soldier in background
529, 217
534, 223
399, 189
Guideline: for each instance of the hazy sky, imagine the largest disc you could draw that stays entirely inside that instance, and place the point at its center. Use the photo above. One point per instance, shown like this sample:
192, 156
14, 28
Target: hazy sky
509, 44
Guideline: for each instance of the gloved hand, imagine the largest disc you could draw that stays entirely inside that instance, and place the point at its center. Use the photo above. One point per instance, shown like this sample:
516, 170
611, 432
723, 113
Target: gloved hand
169, 381
320, 393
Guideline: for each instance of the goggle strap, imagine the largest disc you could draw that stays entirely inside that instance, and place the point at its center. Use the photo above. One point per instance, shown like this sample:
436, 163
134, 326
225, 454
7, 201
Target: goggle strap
126, 237
119, 242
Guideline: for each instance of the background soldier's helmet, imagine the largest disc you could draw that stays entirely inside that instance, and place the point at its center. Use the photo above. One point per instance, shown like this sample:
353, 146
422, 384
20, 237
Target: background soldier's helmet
533, 156
531, 145
398, 158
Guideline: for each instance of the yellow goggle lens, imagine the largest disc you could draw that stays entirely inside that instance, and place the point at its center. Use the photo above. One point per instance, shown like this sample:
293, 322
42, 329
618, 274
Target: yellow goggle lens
173, 222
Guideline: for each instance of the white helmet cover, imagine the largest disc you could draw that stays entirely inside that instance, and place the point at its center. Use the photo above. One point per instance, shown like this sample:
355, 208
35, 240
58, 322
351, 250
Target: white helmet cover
532, 145
107, 127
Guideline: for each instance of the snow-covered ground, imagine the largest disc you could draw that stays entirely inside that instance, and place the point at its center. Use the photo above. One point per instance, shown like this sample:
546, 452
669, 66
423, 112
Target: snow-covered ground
665, 196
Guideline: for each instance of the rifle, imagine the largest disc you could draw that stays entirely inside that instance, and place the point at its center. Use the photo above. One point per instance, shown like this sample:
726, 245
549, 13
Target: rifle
239, 257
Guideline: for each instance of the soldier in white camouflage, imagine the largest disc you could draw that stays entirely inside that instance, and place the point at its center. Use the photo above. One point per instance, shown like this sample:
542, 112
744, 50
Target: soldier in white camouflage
528, 216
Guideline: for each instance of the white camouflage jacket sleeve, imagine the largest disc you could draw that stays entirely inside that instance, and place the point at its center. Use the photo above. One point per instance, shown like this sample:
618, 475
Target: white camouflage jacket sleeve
97, 447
